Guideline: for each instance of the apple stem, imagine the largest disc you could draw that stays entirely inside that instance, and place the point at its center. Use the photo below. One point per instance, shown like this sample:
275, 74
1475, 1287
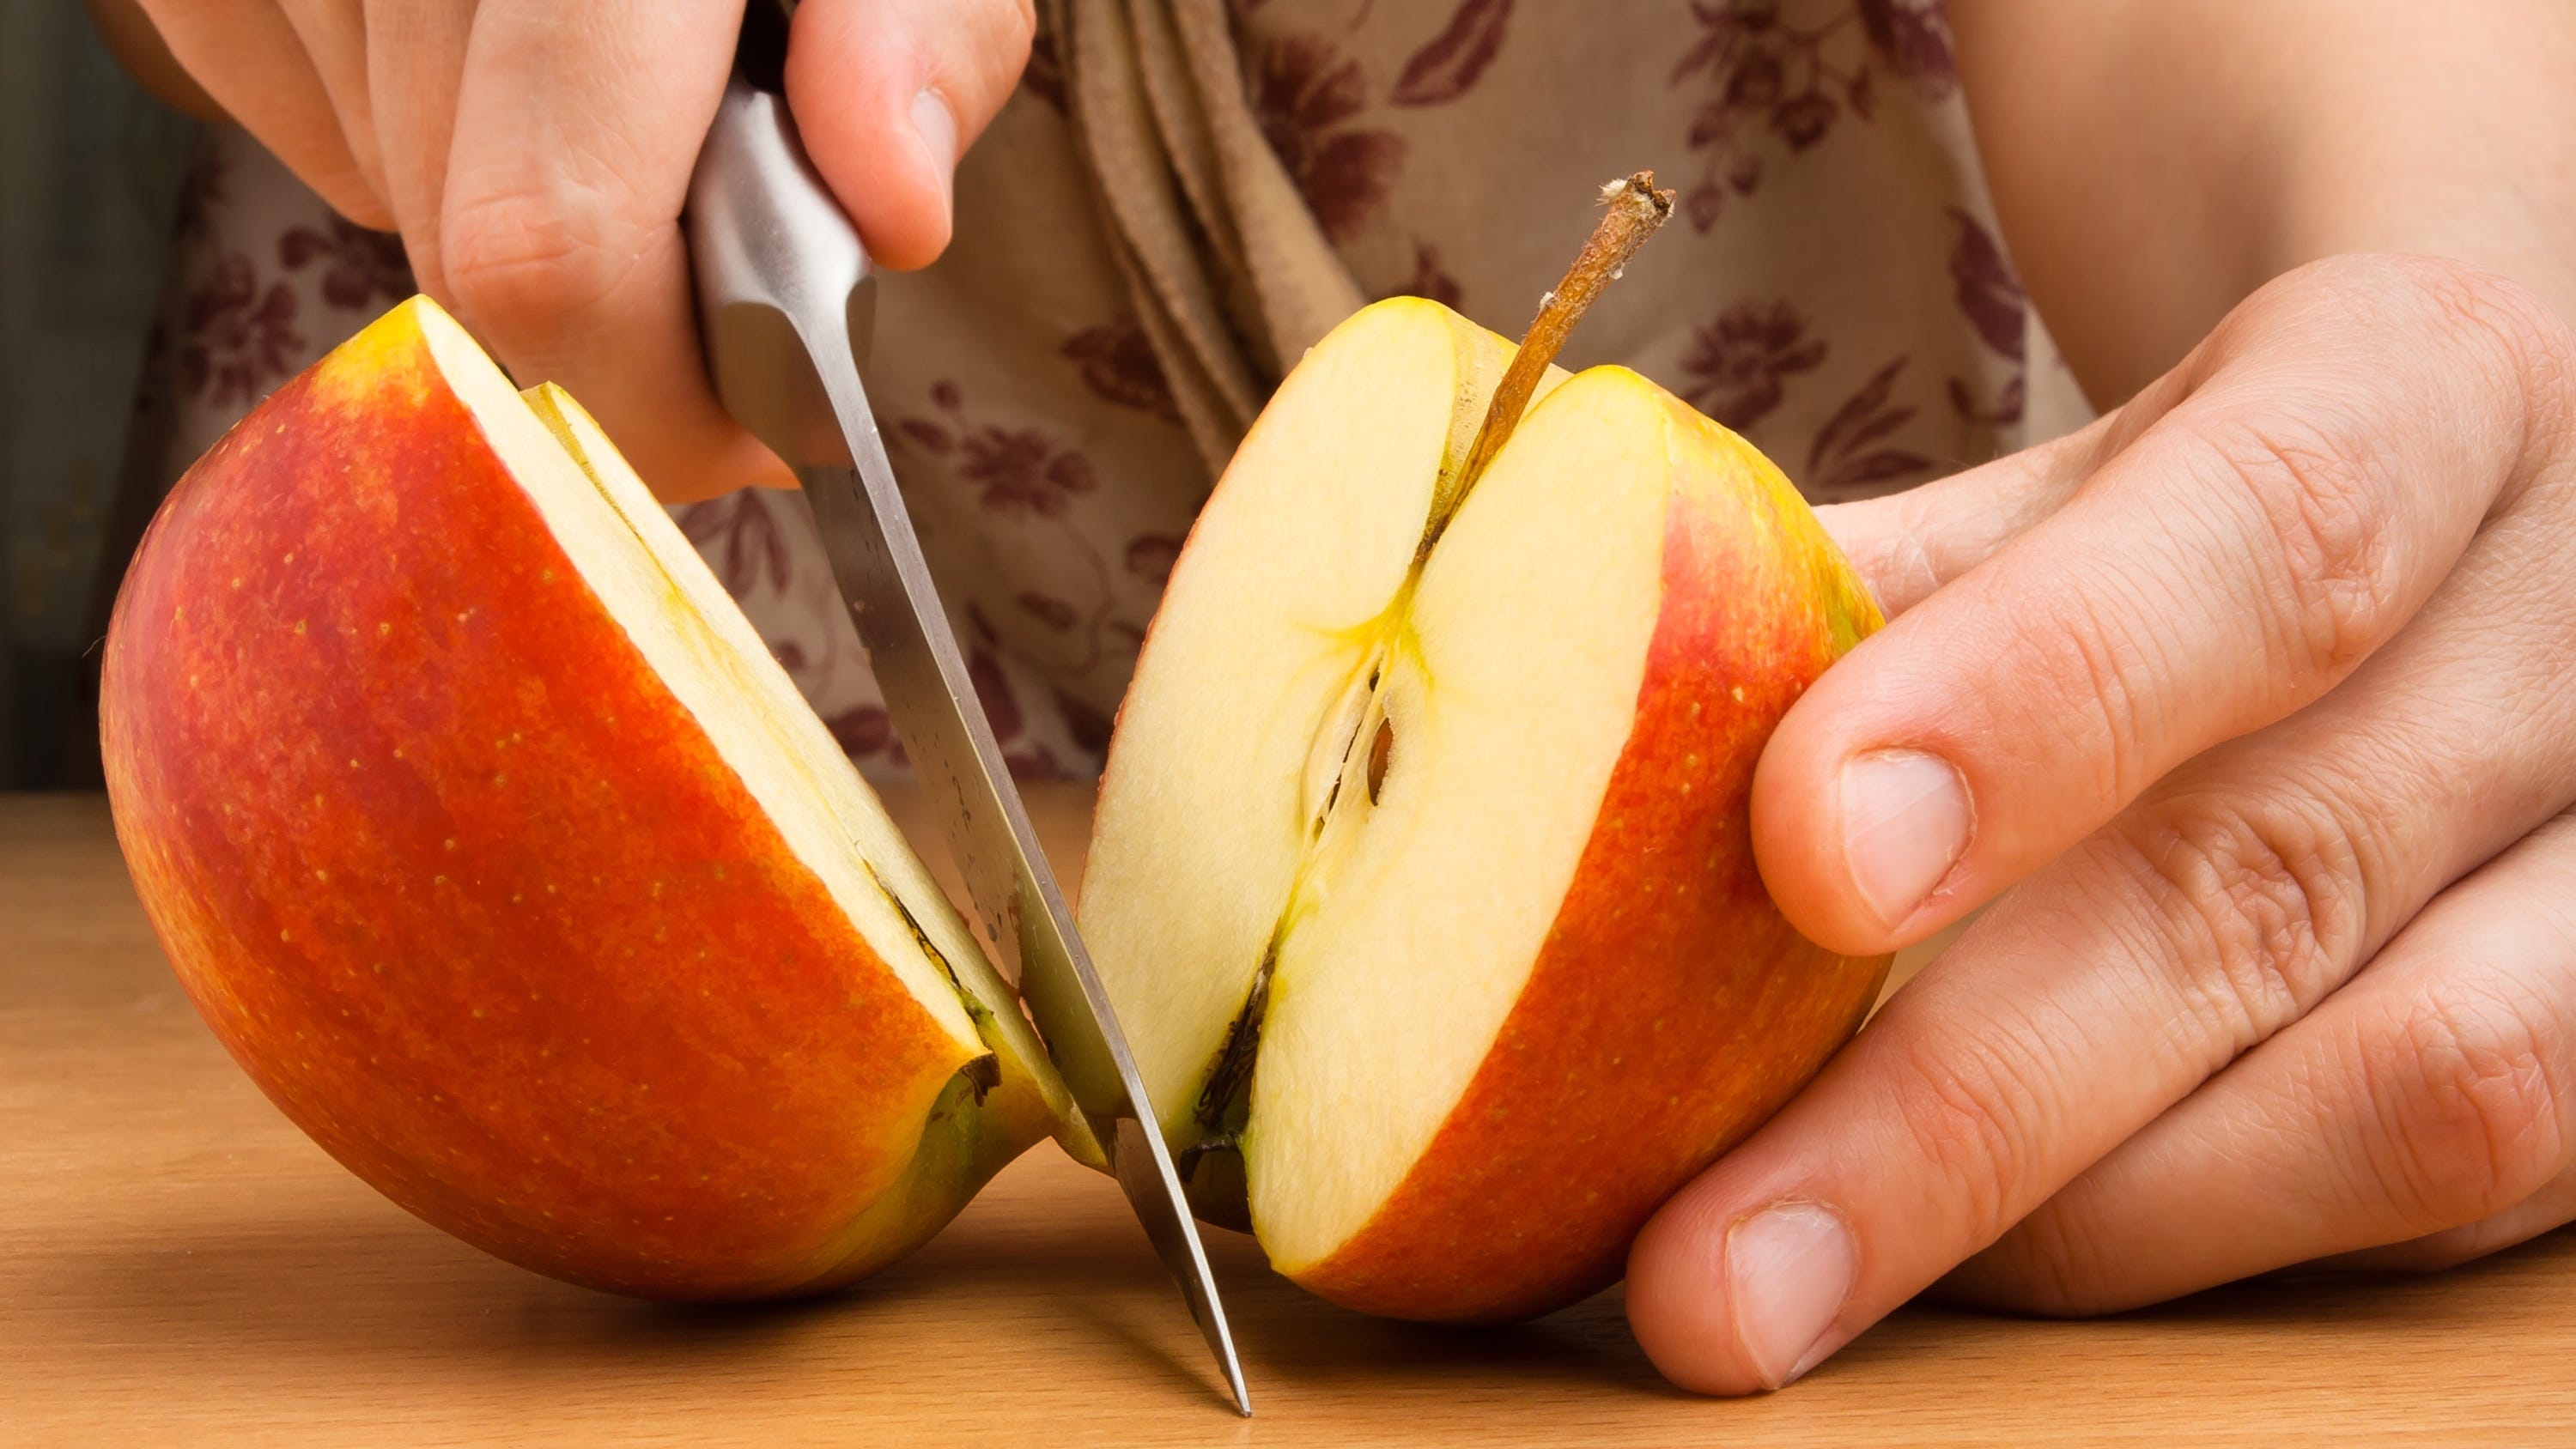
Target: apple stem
1636, 209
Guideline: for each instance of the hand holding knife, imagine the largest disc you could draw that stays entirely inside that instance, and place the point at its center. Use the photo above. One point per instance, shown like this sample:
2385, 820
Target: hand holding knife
786, 296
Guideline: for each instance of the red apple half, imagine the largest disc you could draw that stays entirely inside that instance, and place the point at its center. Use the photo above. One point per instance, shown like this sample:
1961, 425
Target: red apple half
1421, 874
488, 838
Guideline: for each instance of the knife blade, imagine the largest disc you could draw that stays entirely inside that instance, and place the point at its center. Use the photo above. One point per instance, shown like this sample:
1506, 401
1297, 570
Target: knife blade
786, 303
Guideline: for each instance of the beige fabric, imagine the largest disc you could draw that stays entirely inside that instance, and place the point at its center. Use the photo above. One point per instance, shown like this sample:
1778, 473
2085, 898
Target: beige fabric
1222, 259
1185, 194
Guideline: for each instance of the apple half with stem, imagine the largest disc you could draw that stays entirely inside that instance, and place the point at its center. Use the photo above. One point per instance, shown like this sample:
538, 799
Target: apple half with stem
487, 836
1421, 874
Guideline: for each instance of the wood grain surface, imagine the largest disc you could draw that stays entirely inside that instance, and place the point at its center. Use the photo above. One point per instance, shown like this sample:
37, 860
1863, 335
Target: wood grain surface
179, 1265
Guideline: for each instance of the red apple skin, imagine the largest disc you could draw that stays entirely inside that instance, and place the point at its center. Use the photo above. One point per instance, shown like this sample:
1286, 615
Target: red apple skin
453, 875
1672, 1008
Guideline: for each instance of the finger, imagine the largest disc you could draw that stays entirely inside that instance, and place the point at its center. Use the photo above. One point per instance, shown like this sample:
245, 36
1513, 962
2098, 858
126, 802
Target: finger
2545, 1211
334, 35
248, 57
2430, 1105
2245, 552
415, 66
2223, 905
1905, 545
142, 52
576, 128
889, 93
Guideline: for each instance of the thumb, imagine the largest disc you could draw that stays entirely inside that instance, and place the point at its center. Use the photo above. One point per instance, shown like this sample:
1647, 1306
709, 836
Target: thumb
889, 93
1904, 546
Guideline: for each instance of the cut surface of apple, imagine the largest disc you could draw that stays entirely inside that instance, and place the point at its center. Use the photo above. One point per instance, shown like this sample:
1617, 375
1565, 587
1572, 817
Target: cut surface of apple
486, 835
1423, 883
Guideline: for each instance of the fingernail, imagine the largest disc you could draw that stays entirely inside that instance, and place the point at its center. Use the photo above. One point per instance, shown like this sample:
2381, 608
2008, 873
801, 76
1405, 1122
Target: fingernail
1906, 821
1788, 1270
937, 127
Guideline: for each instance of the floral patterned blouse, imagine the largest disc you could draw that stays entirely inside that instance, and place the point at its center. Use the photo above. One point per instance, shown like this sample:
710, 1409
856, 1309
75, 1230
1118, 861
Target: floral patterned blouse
1059, 390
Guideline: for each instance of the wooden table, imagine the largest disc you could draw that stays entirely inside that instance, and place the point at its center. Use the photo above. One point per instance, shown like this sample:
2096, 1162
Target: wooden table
177, 1264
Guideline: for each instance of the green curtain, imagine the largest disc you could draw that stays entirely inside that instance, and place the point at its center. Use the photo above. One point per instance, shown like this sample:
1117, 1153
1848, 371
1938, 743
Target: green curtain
89, 173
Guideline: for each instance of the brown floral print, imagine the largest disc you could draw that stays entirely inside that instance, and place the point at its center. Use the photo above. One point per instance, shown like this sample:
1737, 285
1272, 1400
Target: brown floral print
1430, 279
1846, 459
237, 339
1739, 364
1772, 84
866, 731
1306, 95
1451, 63
1151, 556
741, 540
361, 269
1991, 298
1119, 366
1023, 474
1777, 86
1913, 37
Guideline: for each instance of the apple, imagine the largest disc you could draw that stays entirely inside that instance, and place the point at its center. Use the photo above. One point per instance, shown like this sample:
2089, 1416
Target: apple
487, 837
1421, 874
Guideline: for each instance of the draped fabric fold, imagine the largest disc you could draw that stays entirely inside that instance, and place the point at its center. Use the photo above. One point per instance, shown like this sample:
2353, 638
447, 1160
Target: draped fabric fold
1231, 276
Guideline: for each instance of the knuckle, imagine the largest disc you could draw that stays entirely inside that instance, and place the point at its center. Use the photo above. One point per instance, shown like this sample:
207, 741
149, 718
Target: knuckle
2528, 336
2329, 521
1968, 1103
2257, 901
520, 262
2101, 676
2485, 328
2469, 1118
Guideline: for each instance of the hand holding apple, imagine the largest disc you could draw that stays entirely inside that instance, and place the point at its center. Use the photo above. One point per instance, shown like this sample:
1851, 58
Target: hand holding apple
2256, 695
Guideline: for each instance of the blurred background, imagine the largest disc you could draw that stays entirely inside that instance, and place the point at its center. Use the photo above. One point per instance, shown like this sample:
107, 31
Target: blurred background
90, 177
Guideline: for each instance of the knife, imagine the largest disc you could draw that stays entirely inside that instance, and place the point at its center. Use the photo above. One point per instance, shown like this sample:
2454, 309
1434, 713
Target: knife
786, 302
